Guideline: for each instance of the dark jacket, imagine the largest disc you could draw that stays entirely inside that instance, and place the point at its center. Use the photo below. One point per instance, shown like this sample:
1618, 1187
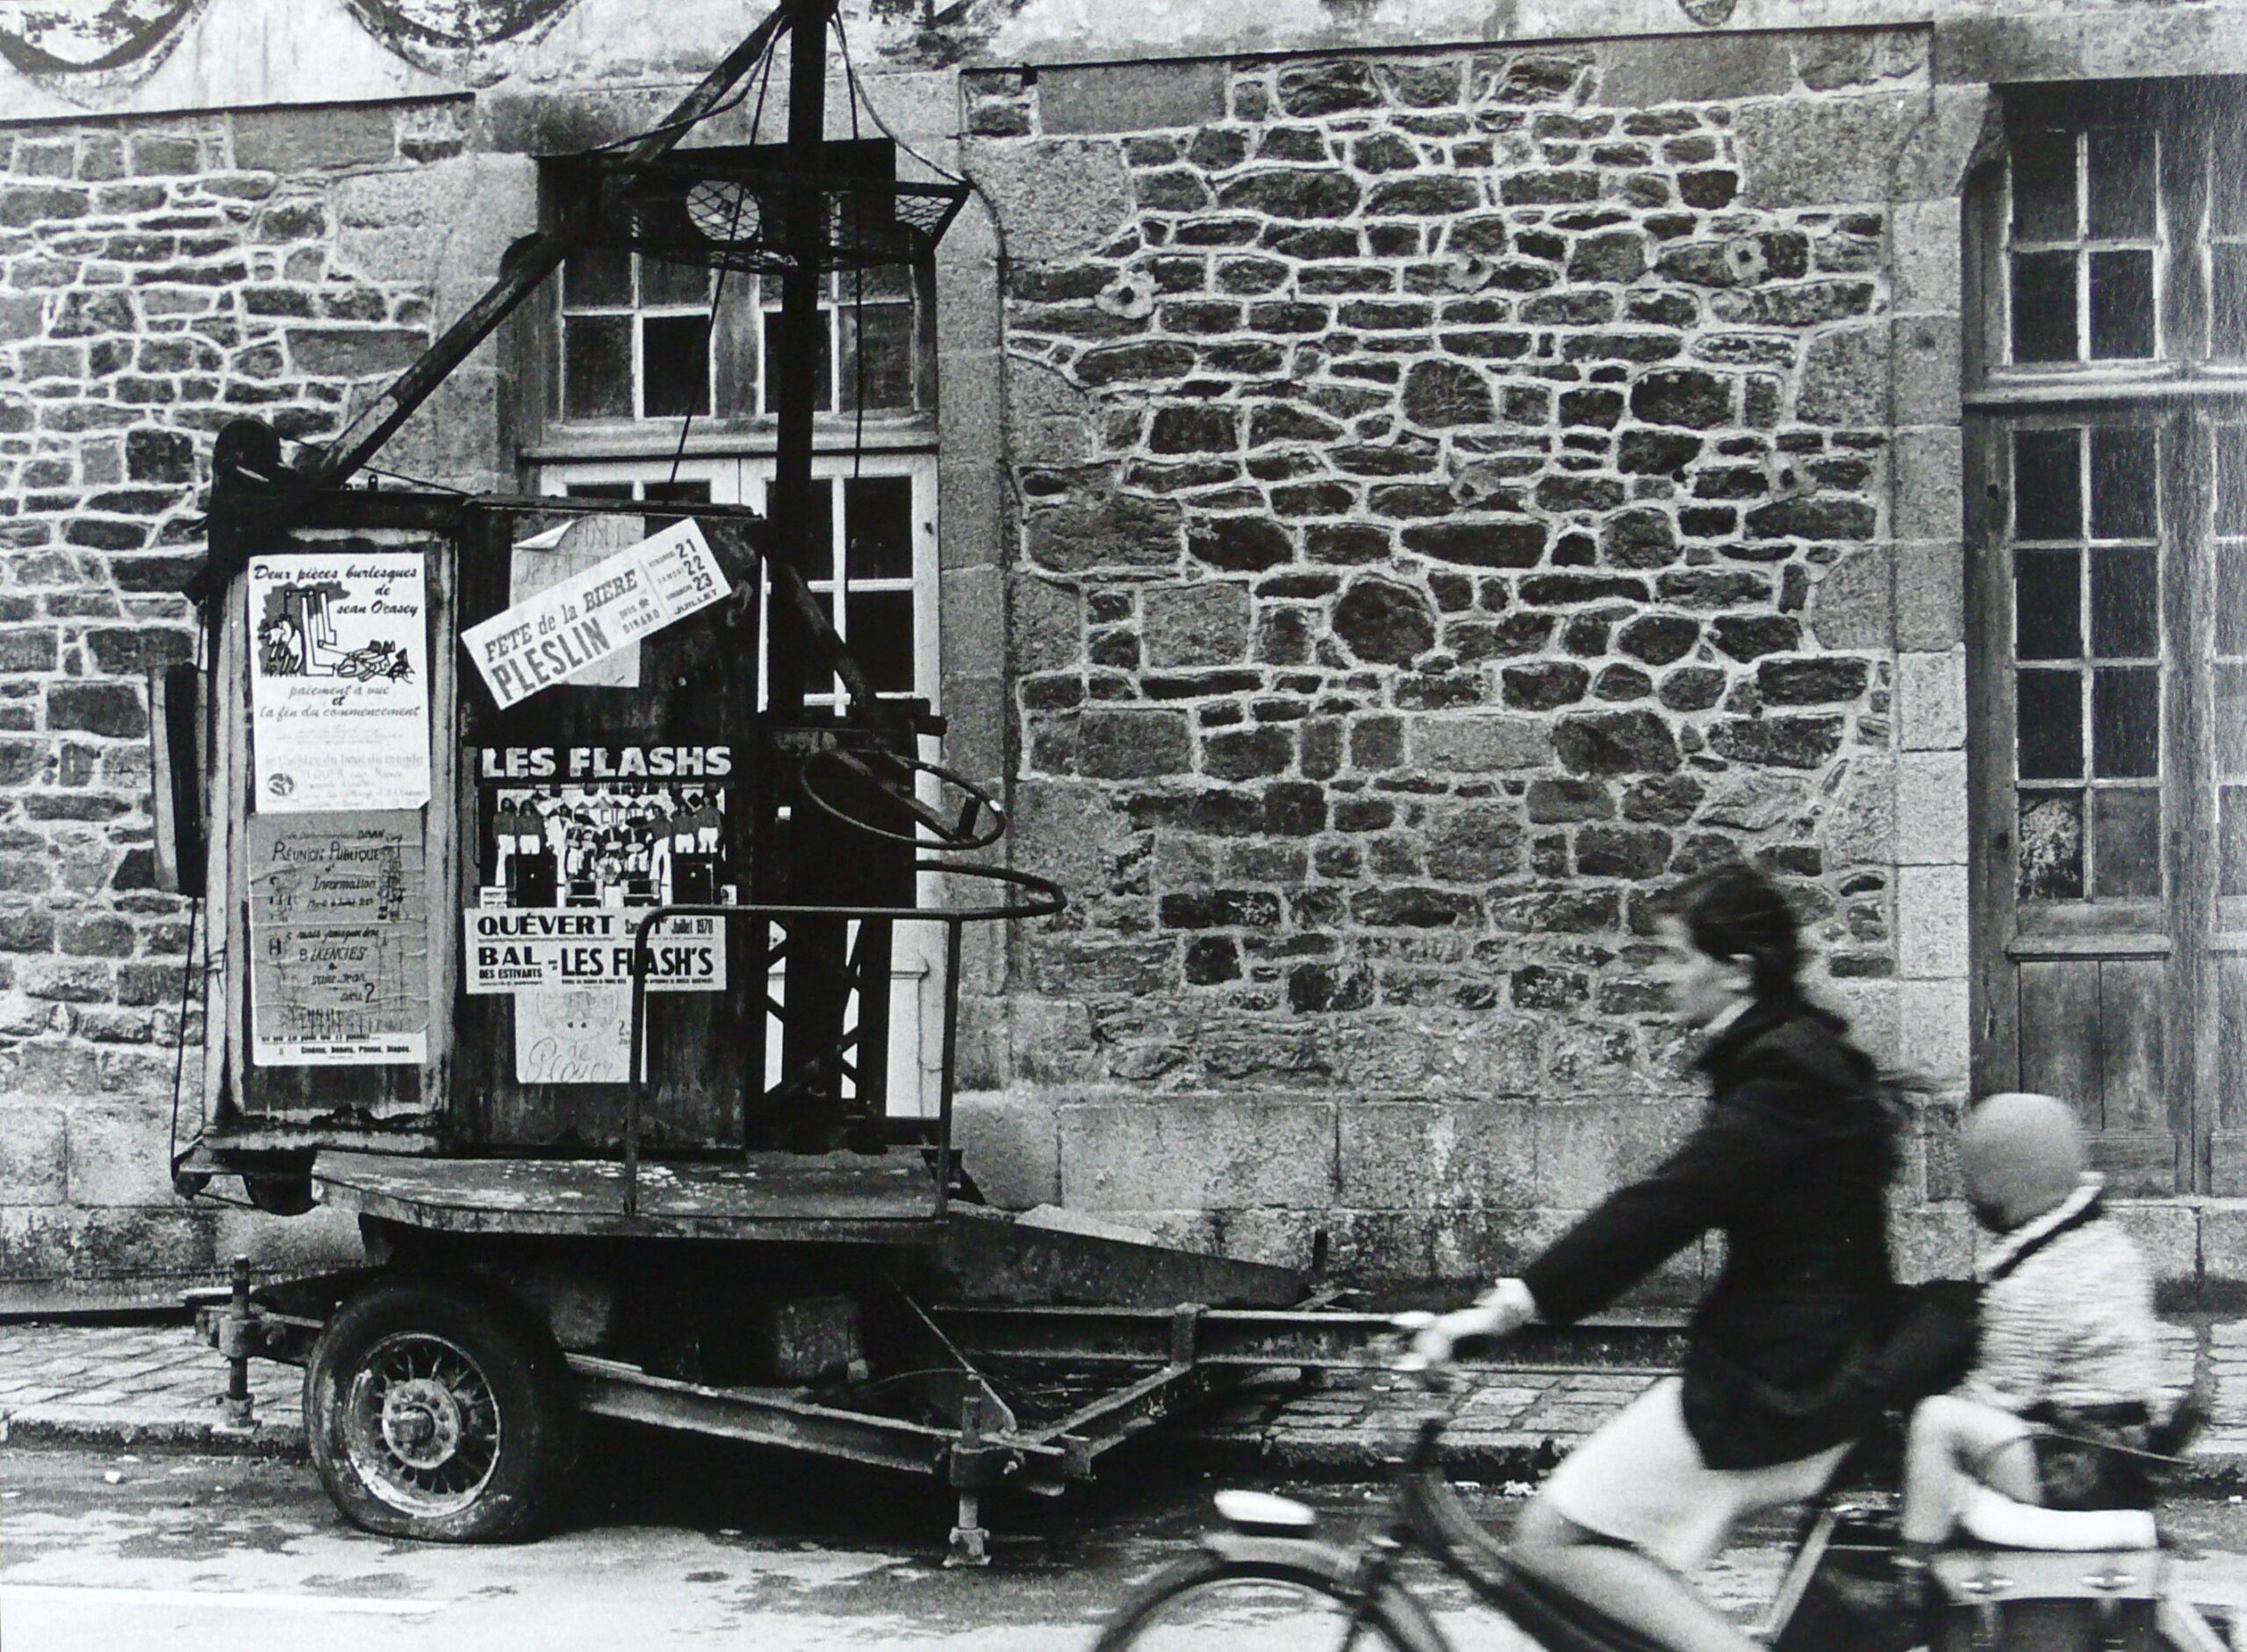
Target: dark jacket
1791, 1164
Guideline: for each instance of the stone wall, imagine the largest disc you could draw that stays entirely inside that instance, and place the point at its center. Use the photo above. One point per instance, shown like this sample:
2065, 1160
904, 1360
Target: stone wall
1460, 494
157, 279
1453, 494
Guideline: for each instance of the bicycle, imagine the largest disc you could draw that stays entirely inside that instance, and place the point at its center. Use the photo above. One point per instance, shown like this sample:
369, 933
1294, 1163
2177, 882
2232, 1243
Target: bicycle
1266, 1566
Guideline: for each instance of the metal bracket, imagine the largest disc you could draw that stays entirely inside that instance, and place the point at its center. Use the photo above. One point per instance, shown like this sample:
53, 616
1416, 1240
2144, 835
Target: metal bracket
1185, 1332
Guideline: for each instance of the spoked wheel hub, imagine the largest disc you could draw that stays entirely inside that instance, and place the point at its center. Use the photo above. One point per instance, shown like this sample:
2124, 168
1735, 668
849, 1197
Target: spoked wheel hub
421, 1424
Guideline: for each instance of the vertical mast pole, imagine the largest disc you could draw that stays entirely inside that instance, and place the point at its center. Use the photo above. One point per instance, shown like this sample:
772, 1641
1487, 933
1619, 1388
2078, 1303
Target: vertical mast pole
795, 361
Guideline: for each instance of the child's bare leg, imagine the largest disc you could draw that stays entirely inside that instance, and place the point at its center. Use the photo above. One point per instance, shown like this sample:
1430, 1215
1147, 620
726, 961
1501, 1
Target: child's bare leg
1954, 1446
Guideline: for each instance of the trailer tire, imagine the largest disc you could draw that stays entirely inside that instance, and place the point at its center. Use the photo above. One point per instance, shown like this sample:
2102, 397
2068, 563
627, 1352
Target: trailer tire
439, 1412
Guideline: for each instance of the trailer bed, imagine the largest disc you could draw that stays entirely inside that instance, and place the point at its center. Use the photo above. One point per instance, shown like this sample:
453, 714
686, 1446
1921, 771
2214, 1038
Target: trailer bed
885, 1198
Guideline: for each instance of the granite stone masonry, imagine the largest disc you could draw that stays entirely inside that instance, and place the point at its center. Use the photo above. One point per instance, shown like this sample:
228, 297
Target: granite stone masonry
1486, 518
157, 279
1409, 482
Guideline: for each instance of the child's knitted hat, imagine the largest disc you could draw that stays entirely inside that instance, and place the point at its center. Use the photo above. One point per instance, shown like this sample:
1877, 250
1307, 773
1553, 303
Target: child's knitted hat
2021, 1154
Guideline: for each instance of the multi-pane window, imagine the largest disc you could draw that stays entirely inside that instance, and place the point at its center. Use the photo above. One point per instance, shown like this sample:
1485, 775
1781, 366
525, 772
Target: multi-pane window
2122, 229
2083, 244
653, 493
869, 323
861, 569
2088, 662
640, 338
636, 337
872, 562
2227, 239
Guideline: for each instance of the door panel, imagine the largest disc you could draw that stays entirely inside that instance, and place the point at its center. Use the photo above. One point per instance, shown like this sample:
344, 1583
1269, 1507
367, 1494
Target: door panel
2228, 1143
2059, 1008
2081, 602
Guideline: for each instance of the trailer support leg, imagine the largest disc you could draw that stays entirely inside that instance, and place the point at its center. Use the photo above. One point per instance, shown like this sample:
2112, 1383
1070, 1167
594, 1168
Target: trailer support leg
971, 1543
970, 1468
234, 1343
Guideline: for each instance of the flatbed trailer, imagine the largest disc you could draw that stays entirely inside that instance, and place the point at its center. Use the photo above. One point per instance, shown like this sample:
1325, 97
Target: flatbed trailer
411, 1427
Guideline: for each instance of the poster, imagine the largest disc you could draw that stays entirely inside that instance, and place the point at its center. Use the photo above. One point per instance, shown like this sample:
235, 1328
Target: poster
511, 951
339, 931
551, 558
563, 630
339, 681
577, 842
605, 826
573, 1035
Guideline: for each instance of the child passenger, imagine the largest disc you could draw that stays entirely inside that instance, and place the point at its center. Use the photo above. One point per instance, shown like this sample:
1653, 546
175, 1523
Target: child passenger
2064, 1369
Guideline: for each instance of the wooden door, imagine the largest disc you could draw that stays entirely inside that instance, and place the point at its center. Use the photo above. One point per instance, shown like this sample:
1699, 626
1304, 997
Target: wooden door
2087, 700
2220, 846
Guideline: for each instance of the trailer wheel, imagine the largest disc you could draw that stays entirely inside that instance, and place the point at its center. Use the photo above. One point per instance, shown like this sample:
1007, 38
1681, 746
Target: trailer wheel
439, 1413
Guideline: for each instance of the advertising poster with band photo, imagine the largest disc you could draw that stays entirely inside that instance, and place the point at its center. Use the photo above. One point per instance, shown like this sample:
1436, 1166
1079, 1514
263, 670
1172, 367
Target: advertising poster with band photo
577, 842
606, 828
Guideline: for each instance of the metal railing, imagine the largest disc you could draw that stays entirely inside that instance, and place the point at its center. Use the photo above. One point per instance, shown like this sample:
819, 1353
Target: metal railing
1047, 899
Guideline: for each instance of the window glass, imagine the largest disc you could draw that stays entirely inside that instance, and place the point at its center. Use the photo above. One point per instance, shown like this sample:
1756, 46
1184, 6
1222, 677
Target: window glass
596, 277
2048, 597
2232, 845
878, 626
597, 375
2122, 304
2228, 298
2126, 842
2050, 717
675, 368
2123, 191
2047, 485
2044, 186
666, 284
821, 538
2126, 722
878, 512
2124, 473
2125, 602
2043, 307
2231, 721
877, 357
2051, 846
823, 381
2231, 598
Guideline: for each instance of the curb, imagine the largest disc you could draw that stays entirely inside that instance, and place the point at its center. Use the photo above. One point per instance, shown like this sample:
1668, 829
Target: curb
1366, 1456
83, 1425
1363, 1455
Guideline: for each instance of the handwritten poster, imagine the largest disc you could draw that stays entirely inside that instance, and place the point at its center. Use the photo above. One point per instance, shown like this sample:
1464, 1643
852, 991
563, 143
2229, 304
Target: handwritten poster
574, 1035
339, 681
338, 930
558, 633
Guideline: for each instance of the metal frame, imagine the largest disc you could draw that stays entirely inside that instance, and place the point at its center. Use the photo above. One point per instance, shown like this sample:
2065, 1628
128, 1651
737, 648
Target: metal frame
1049, 899
1176, 1356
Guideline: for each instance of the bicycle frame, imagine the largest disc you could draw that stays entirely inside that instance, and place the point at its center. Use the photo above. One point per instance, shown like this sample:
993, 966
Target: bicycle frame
1428, 1515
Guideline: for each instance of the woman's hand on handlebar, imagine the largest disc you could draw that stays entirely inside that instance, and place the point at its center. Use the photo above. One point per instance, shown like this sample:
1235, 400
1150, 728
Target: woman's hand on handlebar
1499, 1311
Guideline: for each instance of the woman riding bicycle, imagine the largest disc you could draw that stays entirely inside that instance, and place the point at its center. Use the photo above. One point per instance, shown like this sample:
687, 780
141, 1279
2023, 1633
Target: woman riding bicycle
1791, 1164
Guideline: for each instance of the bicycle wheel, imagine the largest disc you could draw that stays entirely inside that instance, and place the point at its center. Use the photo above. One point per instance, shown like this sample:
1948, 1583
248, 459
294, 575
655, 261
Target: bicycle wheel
1207, 1600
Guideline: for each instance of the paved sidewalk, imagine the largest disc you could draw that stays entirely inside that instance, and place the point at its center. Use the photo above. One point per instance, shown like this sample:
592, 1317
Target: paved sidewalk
153, 1385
